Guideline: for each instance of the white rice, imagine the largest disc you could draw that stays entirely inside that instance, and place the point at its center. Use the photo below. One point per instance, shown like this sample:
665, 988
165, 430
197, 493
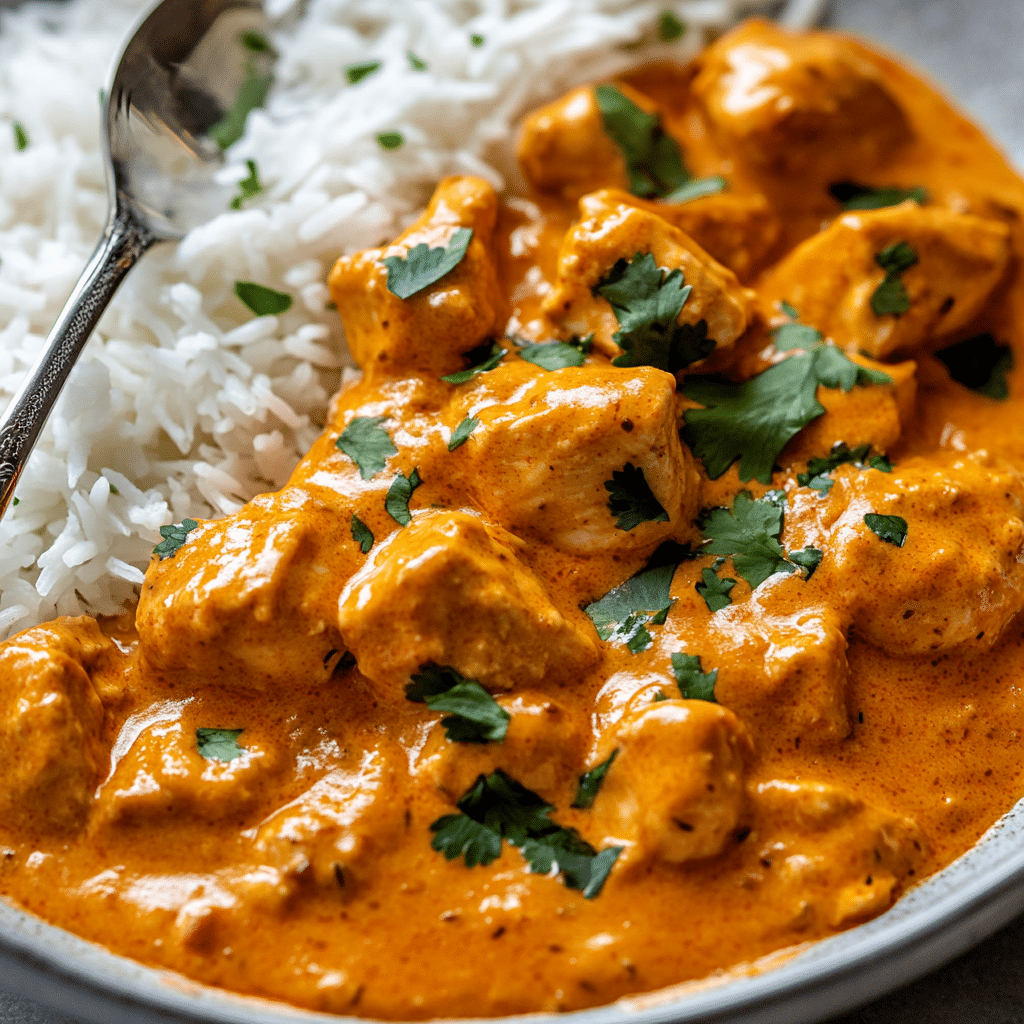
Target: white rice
183, 404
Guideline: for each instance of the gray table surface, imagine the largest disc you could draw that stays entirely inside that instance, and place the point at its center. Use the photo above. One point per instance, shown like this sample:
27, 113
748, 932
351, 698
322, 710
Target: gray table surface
973, 49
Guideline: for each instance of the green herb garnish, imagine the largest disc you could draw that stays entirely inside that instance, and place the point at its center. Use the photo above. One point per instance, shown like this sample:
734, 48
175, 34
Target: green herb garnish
357, 72
696, 188
623, 614
670, 28
631, 499
476, 39
252, 94
750, 535
247, 187
819, 470
460, 435
256, 42
715, 590
891, 297
422, 266
396, 503
590, 783
870, 197
390, 140
414, 62
692, 682
367, 444
474, 716
173, 537
555, 355
20, 136
361, 534
981, 364
261, 300
892, 529
808, 559
647, 302
219, 744
489, 361
498, 808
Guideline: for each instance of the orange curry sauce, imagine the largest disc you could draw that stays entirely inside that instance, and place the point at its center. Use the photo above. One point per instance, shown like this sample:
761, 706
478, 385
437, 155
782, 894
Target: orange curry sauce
866, 727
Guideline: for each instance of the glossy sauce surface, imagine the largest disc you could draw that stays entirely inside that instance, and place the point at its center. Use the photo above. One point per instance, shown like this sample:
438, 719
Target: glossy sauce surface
867, 724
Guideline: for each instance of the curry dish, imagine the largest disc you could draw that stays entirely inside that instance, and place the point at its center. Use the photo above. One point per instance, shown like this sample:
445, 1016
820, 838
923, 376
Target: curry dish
650, 602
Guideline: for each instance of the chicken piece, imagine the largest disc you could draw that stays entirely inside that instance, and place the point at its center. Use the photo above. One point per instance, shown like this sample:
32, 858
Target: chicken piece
813, 106
958, 578
251, 599
836, 859
831, 278
549, 444
564, 149
450, 590
675, 790
542, 750
157, 770
873, 416
429, 331
332, 834
51, 750
613, 228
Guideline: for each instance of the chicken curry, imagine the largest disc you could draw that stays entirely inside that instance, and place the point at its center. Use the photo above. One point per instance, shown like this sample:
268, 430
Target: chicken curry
649, 603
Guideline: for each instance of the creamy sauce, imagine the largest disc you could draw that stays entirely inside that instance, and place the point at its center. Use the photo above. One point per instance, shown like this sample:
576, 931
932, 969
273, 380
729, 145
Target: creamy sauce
868, 721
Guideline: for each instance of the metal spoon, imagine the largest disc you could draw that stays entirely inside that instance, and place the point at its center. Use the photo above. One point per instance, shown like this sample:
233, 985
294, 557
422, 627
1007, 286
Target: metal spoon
179, 93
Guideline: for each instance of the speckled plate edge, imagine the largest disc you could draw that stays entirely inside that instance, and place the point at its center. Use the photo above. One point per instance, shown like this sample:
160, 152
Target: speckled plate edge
934, 922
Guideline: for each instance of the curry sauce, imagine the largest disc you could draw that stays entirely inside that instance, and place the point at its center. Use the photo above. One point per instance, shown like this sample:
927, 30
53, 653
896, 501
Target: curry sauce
650, 602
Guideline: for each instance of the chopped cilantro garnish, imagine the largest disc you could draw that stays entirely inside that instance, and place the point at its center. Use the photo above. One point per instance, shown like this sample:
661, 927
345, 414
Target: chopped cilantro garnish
20, 136
555, 355
750, 534
357, 72
361, 534
631, 499
659, 696
754, 421
623, 614
791, 336
460, 435
647, 302
476, 39
247, 187
390, 140
808, 559
422, 266
693, 683
590, 783
219, 744
498, 808
367, 444
16, 502
891, 295
870, 197
981, 364
252, 93
696, 188
788, 308
715, 590
670, 28
256, 42
490, 357
396, 503
892, 529
474, 716
261, 300
818, 475
414, 62
173, 537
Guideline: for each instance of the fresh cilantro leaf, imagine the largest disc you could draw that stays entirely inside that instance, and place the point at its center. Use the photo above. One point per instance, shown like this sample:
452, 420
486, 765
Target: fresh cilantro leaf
247, 187
361, 534
590, 783
808, 559
396, 503
892, 529
631, 500
753, 421
653, 161
788, 308
414, 62
623, 614
891, 295
219, 744
497, 807
870, 197
173, 537
553, 355
475, 716
647, 302
431, 681
357, 72
255, 41
367, 444
261, 300
750, 534
390, 140
460, 435
495, 356
670, 28
981, 364
696, 188
20, 136
692, 682
818, 475
881, 462
715, 591
476, 39
789, 336
422, 266
16, 502
252, 94
659, 696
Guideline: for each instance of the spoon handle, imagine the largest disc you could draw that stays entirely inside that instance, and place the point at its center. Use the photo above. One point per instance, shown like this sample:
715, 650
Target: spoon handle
124, 241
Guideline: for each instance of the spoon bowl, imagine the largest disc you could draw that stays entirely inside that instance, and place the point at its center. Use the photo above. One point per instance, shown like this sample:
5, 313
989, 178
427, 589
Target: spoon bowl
178, 97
